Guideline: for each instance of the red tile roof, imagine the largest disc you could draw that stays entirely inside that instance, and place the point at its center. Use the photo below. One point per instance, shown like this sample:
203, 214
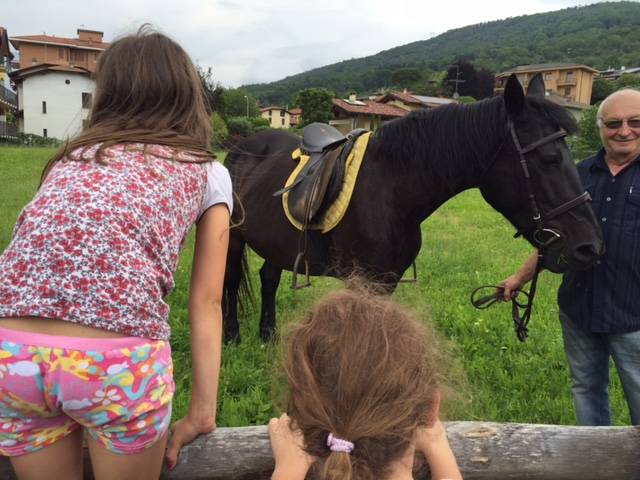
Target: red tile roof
370, 107
49, 39
4, 45
295, 111
18, 75
407, 98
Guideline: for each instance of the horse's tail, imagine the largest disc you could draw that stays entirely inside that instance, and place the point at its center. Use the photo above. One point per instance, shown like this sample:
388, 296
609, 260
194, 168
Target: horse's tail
246, 297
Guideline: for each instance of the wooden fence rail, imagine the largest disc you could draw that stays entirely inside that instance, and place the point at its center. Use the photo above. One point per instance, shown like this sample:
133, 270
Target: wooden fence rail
484, 450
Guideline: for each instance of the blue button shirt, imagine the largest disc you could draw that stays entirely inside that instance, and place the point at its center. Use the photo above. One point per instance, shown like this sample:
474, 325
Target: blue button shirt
606, 298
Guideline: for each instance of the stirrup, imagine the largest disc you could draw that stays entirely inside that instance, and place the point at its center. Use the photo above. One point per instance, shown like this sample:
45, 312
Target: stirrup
294, 277
413, 278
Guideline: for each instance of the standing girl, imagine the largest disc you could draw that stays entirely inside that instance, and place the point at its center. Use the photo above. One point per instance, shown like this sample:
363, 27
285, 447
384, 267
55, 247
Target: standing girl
363, 395
83, 321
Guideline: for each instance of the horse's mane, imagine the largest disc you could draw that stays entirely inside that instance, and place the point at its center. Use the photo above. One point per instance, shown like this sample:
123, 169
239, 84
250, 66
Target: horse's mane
426, 142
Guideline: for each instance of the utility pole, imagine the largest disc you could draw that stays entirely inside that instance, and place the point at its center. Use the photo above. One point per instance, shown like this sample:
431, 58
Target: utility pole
456, 95
246, 97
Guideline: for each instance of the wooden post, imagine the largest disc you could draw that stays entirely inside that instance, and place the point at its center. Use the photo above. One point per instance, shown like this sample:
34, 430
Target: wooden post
484, 451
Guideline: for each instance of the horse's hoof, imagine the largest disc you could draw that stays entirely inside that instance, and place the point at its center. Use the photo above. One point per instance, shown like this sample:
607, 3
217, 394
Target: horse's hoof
266, 335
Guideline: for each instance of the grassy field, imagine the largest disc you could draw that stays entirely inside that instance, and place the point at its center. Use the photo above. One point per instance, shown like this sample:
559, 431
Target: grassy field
465, 244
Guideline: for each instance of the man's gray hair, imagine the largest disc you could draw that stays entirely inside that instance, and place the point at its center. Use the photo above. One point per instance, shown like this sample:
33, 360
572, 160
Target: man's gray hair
599, 123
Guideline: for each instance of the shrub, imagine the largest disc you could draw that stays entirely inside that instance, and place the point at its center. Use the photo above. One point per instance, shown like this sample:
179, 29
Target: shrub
240, 126
219, 129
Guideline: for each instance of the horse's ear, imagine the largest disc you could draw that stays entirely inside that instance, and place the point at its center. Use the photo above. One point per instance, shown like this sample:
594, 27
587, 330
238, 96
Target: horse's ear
513, 95
536, 86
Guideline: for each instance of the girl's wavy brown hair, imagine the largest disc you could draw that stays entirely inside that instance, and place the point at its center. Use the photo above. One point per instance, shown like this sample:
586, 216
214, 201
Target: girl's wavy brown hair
363, 368
147, 91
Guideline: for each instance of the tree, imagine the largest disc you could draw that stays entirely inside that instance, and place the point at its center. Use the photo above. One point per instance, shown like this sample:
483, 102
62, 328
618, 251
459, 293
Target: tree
240, 126
213, 91
239, 103
219, 130
407, 78
433, 85
601, 90
588, 140
471, 82
316, 105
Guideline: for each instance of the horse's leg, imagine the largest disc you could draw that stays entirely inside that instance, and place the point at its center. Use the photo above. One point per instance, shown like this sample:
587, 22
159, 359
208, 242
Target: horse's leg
269, 279
232, 278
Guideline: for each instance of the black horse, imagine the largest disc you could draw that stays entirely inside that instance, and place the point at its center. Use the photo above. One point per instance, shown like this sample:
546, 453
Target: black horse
511, 147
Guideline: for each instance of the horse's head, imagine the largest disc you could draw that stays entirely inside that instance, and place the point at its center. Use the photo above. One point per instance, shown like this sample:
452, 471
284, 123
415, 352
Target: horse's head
534, 183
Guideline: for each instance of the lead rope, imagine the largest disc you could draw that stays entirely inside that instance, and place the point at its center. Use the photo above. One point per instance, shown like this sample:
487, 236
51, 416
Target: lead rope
520, 322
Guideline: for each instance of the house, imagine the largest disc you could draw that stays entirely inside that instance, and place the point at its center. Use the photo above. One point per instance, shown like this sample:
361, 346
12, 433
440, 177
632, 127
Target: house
296, 113
362, 113
411, 102
569, 80
575, 109
278, 117
79, 52
54, 83
8, 98
614, 74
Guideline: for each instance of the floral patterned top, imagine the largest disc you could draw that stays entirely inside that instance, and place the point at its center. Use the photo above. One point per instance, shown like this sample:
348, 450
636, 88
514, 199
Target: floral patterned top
99, 243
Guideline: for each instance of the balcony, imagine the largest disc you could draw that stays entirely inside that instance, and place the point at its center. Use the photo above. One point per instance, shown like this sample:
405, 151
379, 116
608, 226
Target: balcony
8, 131
567, 82
8, 97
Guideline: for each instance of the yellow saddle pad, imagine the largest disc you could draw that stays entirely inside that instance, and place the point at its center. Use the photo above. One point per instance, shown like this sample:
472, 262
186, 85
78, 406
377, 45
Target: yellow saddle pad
332, 216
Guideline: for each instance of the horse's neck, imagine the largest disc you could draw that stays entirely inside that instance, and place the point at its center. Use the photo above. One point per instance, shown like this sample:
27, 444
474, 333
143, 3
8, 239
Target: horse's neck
463, 171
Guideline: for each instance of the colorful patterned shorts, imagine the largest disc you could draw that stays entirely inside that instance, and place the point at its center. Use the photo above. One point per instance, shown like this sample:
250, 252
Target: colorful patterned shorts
118, 389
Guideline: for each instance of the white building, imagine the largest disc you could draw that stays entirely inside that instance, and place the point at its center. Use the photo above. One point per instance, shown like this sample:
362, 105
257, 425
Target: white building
54, 100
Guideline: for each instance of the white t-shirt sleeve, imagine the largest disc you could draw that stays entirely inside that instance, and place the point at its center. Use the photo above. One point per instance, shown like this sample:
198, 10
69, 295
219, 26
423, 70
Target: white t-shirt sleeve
218, 187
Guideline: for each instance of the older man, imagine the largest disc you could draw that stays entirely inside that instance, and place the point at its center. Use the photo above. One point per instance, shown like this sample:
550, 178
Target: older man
600, 307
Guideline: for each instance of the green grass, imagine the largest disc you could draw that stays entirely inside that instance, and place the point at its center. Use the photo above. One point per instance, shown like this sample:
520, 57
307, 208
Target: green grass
465, 244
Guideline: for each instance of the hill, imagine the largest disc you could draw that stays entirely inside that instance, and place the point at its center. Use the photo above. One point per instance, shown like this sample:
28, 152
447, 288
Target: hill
601, 35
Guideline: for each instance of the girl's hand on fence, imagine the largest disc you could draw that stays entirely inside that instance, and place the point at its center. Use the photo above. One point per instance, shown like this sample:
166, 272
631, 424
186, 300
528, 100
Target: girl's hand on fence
183, 432
292, 462
434, 445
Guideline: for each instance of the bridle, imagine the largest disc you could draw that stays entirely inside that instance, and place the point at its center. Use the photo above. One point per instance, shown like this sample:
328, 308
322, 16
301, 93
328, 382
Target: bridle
543, 236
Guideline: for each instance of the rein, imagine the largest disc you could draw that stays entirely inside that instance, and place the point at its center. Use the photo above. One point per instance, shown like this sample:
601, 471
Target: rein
542, 236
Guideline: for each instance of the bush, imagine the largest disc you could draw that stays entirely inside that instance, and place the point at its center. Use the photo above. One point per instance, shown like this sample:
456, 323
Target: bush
258, 122
588, 134
240, 126
32, 140
219, 130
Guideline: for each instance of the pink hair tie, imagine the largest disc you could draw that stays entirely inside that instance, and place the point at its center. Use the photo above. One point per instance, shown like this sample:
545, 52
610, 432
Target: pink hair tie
336, 444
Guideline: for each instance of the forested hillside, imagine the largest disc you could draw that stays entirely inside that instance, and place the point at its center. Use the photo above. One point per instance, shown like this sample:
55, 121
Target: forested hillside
601, 35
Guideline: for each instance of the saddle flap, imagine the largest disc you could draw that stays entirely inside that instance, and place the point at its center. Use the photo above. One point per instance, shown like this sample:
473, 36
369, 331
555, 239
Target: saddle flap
305, 200
317, 137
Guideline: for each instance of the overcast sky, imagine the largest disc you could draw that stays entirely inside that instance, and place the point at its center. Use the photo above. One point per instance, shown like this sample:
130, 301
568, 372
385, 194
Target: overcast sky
249, 41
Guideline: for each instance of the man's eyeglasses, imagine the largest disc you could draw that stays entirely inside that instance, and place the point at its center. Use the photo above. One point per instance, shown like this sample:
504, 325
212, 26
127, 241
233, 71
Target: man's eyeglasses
616, 124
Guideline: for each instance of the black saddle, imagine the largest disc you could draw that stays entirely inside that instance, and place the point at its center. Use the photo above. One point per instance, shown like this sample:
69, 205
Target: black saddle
318, 137
319, 182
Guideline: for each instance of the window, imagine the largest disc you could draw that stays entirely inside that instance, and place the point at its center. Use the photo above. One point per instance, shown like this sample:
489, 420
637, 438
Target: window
44, 107
282, 121
548, 76
61, 53
44, 132
282, 113
86, 100
78, 56
34, 61
567, 91
570, 76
